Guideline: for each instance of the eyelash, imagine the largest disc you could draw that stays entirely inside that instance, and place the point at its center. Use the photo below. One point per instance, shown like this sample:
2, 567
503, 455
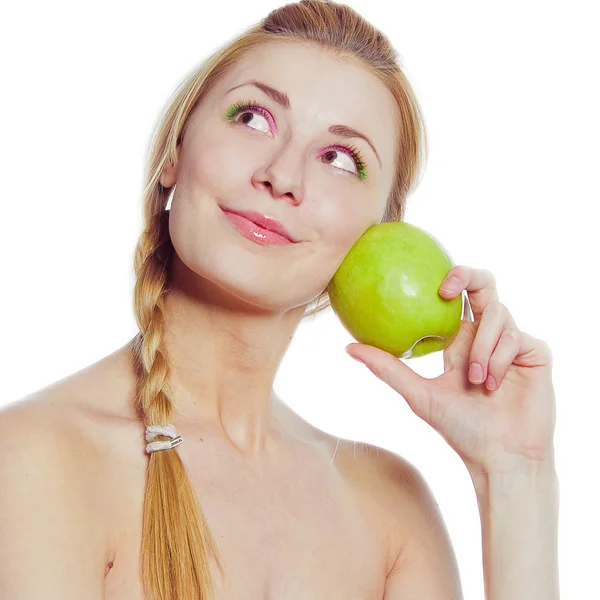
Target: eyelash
254, 106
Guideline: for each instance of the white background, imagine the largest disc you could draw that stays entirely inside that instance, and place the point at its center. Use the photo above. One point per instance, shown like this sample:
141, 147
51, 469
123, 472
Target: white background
510, 98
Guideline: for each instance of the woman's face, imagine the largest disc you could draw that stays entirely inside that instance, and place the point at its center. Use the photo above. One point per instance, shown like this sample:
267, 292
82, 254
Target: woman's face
282, 162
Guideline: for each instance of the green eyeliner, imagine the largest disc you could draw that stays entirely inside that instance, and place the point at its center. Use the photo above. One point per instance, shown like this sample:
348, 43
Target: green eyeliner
231, 112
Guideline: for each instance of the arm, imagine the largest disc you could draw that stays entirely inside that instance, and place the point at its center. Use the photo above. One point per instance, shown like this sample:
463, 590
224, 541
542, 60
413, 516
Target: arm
49, 545
519, 521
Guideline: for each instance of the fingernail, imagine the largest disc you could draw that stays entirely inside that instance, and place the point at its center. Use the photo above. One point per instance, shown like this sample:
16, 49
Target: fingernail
450, 285
476, 373
490, 383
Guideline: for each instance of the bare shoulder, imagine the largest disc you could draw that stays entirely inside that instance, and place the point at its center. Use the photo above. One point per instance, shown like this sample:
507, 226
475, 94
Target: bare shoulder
393, 482
77, 420
31, 427
42, 436
422, 561
412, 520
381, 480
47, 523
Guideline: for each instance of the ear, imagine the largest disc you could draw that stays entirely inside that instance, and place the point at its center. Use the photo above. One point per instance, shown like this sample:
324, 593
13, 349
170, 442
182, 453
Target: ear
168, 177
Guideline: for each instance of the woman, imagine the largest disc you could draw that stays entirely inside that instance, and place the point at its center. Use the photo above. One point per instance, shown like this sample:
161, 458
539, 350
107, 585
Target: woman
170, 469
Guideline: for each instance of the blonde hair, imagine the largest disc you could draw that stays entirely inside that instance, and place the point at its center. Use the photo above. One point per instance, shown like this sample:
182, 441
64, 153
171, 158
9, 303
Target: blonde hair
177, 545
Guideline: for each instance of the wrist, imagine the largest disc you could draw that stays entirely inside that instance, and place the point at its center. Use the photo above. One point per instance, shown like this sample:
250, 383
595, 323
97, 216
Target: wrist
513, 472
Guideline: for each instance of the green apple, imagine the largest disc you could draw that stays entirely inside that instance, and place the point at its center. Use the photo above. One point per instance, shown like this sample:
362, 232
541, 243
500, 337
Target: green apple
386, 291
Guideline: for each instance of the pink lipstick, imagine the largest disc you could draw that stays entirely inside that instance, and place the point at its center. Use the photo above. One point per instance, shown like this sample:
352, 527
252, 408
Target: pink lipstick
244, 222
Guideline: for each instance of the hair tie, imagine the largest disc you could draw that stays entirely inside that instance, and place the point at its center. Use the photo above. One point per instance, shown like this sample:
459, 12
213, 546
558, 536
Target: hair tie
153, 431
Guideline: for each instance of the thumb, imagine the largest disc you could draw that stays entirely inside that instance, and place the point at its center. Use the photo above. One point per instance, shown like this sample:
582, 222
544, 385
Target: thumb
416, 390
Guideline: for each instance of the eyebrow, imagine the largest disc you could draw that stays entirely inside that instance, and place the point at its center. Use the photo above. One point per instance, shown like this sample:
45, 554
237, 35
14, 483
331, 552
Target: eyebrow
283, 99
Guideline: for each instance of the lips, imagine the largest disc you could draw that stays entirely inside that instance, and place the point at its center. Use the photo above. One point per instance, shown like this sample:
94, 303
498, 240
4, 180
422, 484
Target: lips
262, 220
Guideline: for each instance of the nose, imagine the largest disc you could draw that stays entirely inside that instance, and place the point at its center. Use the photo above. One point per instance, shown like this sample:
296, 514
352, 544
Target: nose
277, 191
282, 176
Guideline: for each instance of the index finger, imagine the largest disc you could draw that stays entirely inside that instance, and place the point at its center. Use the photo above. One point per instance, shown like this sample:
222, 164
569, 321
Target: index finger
480, 285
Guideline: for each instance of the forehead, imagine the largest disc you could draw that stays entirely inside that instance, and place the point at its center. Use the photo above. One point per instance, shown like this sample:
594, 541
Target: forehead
322, 89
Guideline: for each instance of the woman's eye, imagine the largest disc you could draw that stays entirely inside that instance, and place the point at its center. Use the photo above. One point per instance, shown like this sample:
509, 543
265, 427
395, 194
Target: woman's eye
333, 155
253, 119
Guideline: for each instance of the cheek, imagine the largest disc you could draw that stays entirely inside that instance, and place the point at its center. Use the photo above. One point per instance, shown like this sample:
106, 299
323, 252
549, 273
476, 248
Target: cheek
213, 159
207, 164
342, 220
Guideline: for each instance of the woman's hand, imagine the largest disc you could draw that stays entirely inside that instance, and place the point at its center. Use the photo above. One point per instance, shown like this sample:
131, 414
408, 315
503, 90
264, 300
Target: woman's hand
500, 421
